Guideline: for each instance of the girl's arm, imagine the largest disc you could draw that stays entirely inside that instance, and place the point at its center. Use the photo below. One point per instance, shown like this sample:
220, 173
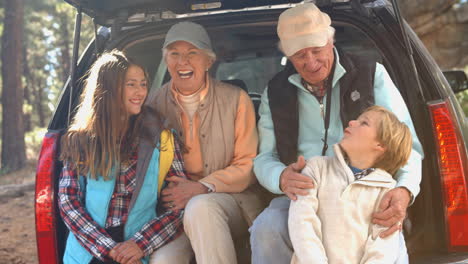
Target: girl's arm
166, 227
305, 228
159, 231
88, 233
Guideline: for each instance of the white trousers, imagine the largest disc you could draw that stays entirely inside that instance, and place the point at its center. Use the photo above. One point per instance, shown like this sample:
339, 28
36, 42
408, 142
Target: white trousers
213, 225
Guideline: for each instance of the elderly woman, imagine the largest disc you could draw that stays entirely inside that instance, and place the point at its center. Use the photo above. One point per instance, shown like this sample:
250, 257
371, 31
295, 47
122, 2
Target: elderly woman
216, 122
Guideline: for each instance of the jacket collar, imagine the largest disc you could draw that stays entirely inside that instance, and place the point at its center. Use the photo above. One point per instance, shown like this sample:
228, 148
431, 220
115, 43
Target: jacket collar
377, 178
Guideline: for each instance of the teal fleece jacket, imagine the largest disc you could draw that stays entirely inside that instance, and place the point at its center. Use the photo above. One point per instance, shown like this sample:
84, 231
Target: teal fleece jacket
268, 167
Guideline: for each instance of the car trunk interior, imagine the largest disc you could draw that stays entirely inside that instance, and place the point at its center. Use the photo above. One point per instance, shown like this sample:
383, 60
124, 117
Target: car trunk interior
246, 48
248, 52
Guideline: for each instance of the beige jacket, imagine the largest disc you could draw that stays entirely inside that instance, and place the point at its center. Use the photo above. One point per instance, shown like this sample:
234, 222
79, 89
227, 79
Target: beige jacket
332, 224
227, 160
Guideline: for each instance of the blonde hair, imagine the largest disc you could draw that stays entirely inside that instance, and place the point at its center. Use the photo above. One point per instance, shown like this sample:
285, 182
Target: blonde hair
395, 136
92, 144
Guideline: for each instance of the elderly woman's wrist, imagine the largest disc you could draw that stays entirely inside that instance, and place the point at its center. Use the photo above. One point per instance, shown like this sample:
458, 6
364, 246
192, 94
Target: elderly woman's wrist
203, 188
207, 187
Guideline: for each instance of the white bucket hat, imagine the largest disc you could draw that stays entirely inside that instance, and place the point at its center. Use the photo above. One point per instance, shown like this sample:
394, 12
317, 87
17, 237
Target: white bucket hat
303, 26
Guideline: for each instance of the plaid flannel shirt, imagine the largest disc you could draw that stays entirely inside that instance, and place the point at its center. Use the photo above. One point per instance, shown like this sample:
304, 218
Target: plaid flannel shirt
93, 237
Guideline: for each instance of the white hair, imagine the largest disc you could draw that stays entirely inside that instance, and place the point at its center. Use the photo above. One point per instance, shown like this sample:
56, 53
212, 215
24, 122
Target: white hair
207, 52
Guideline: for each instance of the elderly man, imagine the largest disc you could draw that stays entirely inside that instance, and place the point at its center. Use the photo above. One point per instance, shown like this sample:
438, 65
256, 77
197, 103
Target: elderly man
304, 110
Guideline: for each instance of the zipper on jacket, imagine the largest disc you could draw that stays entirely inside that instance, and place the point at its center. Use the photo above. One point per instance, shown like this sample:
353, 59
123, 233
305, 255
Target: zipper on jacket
191, 128
309, 88
322, 107
321, 110
191, 122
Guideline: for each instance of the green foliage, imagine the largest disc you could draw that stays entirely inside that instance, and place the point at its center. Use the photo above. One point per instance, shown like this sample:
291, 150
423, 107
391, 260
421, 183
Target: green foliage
48, 44
33, 141
49, 34
463, 99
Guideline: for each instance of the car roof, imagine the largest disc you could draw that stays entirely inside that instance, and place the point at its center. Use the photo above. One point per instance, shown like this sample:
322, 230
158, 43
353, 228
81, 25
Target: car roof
106, 11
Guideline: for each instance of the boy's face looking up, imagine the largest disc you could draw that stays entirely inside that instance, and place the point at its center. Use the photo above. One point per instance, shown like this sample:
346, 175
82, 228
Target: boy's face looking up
360, 138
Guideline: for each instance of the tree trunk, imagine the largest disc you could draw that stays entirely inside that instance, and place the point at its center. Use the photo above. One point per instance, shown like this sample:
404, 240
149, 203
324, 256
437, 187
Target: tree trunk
65, 47
27, 91
13, 146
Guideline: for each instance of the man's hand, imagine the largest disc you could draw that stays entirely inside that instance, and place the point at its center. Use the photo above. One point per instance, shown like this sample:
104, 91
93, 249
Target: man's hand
392, 210
126, 252
177, 195
292, 182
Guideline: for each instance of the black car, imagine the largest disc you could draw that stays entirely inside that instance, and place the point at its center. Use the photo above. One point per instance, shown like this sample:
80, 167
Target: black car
244, 37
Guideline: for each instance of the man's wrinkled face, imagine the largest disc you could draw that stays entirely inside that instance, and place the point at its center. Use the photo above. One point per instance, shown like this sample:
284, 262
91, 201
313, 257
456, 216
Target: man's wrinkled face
315, 63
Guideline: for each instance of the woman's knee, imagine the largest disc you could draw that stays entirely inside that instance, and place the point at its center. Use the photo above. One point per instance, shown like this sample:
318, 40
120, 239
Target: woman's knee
202, 207
177, 251
169, 258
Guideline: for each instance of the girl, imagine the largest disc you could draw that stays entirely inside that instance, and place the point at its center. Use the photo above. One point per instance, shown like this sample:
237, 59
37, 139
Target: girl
106, 200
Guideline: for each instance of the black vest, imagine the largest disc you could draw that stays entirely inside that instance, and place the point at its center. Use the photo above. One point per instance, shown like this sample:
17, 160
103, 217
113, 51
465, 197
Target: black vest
282, 97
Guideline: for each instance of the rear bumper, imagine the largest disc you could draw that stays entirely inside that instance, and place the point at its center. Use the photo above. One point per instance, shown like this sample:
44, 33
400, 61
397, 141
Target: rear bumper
451, 258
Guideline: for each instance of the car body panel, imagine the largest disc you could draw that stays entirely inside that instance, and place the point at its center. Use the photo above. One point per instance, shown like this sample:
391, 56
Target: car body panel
241, 33
107, 11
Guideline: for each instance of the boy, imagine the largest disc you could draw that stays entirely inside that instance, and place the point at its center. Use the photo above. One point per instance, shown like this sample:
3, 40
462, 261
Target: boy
332, 224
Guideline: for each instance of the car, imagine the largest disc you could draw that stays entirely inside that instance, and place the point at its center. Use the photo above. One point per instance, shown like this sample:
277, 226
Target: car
244, 37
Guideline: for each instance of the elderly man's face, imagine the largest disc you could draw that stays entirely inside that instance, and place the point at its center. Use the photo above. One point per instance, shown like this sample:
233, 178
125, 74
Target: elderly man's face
314, 64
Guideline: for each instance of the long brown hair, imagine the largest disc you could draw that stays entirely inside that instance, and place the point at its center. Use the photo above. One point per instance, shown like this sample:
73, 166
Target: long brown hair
93, 143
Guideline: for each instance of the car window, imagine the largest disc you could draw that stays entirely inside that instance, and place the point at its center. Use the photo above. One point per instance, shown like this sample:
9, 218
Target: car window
247, 54
254, 71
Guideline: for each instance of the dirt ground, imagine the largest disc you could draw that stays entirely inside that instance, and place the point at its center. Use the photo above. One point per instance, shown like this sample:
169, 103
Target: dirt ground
17, 233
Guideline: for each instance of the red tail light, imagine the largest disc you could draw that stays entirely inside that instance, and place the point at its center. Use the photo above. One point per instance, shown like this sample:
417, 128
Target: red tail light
45, 203
453, 170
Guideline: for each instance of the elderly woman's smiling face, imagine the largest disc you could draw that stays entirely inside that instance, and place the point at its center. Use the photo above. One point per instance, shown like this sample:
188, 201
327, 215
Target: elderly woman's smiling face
187, 66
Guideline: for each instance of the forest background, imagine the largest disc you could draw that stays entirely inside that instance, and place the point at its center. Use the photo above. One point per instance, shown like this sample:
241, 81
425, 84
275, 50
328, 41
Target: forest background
36, 47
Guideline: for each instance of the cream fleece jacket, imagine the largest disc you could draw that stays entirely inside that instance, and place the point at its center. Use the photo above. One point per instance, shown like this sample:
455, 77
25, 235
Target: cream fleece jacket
332, 224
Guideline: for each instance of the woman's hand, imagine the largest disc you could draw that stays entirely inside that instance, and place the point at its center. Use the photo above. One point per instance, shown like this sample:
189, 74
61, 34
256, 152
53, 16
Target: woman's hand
126, 252
179, 191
